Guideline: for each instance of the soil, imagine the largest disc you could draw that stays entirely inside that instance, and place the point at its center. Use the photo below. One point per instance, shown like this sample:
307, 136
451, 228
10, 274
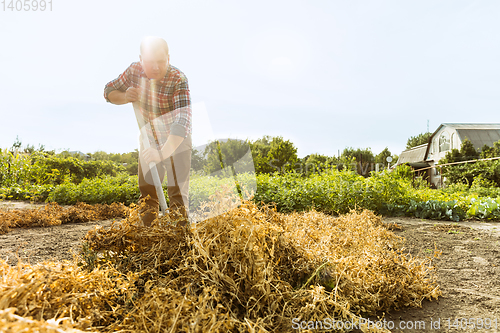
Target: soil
468, 272
38, 244
468, 268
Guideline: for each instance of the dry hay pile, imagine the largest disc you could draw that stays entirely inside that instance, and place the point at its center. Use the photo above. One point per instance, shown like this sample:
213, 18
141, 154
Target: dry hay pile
53, 214
248, 270
12, 323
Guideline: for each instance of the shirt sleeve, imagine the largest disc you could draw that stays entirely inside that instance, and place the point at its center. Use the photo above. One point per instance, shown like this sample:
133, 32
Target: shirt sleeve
121, 83
181, 125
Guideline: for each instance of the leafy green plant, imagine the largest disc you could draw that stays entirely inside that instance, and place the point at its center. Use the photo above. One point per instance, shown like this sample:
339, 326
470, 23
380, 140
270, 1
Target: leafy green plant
107, 189
330, 191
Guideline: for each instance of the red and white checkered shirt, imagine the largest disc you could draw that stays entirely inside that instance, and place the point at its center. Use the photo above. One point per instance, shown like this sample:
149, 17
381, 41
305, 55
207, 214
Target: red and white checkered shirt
171, 113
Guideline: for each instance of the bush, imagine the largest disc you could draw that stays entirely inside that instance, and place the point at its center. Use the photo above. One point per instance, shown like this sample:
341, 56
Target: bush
56, 169
337, 192
431, 209
44, 169
26, 192
332, 192
467, 173
122, 188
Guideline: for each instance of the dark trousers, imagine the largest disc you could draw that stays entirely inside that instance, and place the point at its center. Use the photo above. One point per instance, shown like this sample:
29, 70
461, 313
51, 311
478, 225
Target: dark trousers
177, 168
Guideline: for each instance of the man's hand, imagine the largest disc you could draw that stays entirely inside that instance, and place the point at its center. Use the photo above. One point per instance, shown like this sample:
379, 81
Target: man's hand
119, 97
132, 94
151, 155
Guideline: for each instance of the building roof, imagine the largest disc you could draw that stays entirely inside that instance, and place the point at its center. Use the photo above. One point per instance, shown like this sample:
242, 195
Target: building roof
480, 137
414, 156
471, 126
478, 133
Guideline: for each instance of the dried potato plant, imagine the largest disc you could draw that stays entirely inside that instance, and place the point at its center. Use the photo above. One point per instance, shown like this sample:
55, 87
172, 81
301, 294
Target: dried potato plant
250, 269
53, 214
55, 290
11, 323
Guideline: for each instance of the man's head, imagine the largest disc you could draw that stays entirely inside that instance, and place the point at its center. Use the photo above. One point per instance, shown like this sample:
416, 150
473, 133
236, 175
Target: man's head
154, 57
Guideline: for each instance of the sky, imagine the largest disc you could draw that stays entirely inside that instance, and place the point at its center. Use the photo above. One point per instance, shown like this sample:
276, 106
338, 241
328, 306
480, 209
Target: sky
325, 75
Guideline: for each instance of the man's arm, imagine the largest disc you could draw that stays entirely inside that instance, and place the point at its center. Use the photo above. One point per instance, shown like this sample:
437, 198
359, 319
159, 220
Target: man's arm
117, 97
180, 126
182, 105
123, 97
153, 155
182, 122
121, 90
173, 141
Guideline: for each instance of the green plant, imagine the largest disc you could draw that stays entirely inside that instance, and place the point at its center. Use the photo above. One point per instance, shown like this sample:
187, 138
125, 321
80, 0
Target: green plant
107, 189
418, 140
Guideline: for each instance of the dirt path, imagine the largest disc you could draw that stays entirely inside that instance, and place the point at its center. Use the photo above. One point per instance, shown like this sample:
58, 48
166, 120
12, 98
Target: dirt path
35, 245
468, 273
468, 269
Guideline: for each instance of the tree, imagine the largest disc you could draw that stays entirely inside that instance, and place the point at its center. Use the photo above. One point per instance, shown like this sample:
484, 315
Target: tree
489, 152
99, 156
468, 151
316, 163
17, 144
260, 150
395, 158
271, 154
233, 150
382, 156
486, 152
282, 154
463, 173
418, 140
213, 158
480, 173
364, 155
225, 153
130, 159
363, 159
451, 157
197, 159
17, 147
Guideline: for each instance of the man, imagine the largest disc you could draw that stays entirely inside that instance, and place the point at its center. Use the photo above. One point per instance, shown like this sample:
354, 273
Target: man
167, 108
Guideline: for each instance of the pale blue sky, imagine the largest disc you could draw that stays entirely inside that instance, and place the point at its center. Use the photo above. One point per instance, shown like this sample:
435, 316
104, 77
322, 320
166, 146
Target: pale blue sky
323, 74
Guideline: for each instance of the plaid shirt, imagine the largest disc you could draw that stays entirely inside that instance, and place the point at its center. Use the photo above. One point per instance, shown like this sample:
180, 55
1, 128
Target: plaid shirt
172, 114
